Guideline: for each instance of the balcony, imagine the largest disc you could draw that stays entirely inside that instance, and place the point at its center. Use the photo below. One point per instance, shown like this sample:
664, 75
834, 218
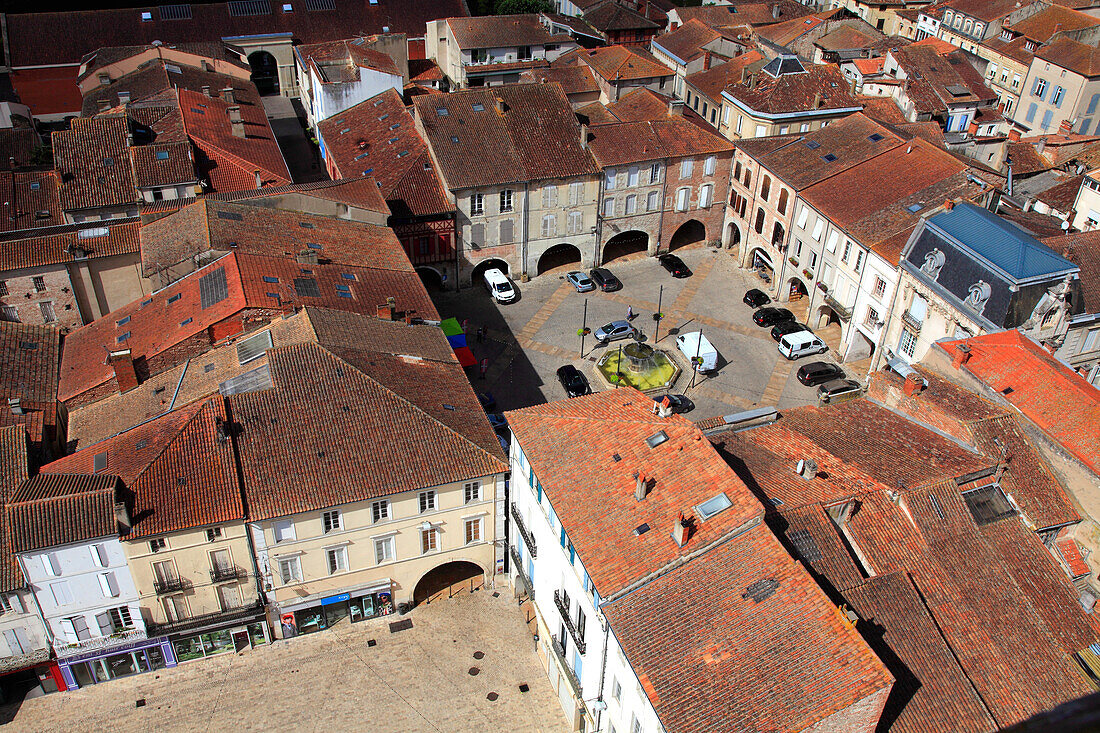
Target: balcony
523, 532
171, 584
217, 618
563, 609
517, 565
223, 573
912, 321
567, 671
102, 642
844, 314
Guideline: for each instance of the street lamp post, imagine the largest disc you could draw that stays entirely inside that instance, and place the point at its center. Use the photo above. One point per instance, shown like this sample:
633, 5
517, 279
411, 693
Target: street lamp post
584, 326
657, 315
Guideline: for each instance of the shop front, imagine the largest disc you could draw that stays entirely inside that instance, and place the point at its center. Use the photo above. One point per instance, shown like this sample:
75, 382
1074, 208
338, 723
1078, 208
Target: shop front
309, 615
217, 633
112, 662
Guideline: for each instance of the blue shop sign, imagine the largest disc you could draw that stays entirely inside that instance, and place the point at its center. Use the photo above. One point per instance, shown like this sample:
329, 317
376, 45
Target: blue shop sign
335, 599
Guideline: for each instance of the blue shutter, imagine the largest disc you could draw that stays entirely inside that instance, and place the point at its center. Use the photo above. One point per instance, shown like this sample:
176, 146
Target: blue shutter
1092, 103
539, 490
1085, 126
1030, 116
563, 542
1048, 115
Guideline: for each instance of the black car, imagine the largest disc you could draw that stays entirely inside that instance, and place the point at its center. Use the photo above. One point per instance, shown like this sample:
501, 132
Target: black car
819, 372
574, 382
836, 388
677, 402
771, 316
604, 280
488, 402
756, 298
782, 328
675, 265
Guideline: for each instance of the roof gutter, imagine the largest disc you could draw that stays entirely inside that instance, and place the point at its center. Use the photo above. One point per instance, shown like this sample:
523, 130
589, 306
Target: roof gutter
789, 115
668, 53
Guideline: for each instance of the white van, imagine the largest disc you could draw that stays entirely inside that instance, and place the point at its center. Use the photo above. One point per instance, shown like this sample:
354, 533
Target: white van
500, 287
801, 343
695, 344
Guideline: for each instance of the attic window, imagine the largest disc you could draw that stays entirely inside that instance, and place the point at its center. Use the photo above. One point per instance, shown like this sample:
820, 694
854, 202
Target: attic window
713, 506
656, 439
343, 289
393, 140
123, 337
288, 8
146, 17
173, 68
914, 208
269, 279
641, 529
761, 589
313, 245
454, 139
478, 107
108, 162
35, 186
175, 297
230, 215
874, 138
348, 276
829, 158
162, 155
346, 129
146, 302
305, 224
448, 407
402, 154
775, 501
198, 111
988, 504
343, 294
395, 125
813, 144
141, 444
384, 116
186, 321
28, 345
123, 322
442, 111
99, 462
93, 232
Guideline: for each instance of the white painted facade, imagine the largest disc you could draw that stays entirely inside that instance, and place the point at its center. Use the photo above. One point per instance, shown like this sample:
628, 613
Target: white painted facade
331, 98
21, 629
597, 688
81, 590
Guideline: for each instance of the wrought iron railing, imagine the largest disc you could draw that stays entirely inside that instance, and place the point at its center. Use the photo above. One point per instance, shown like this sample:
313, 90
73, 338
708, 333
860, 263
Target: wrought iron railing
194, 622
912, 321
517, 564
843, 313
523, 531
559, 652
102, 642
222, 573
563, 609
170, 585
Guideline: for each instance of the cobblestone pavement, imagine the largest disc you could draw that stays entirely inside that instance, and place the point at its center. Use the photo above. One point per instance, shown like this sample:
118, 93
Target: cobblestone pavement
528, 340
414, 680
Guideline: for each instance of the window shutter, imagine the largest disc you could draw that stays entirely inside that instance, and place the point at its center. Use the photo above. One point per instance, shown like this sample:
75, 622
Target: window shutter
507, 231
477, 234
103, 620
16, 603
712, 162
69, 629
13, 643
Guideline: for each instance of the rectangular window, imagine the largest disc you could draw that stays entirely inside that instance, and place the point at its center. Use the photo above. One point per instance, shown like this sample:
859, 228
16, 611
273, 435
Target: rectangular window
740, 119
819, 226
49, 315
331, 521
705, 195
62, 594
1040, 88
761, 131
383, 550
99, 555
76, 628
859, 260
576, 194
51, 564
802, 216
804, 127
39, 284
813, 260
505, 201
380, 511
427, 501
576, 222
3, 287
686, 167
120, 618
908, 344
872, 317
609, 179
109, 585
477, 204
847, 251
710, 165
290, 570
549, 196
473, 531
549, 225
631, 204
471, 492
429, 541
609, 207
880, 287
337, 560
652, 201
632, 176
157, 544
655, 173
283, 530
682, 196
213, 534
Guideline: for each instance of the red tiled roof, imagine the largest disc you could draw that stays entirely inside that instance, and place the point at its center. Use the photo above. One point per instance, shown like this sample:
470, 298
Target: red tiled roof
1042, 26
1080, 58
832, 565
498, 31
47, 90
24, 195
847, 38
618, 63
424, 70
537, 137
686, 42
68, 245
1026, 159
288, 469
93, 161
18, 143
13, 472
180, 472
233, 162
1045, 391
1070, 552
152, 169
59, 509
612, 16
671, 137
869, 66
934, 78
711, 82
330, 56
573, 79
29, 362
931, 691
711, 657
796, 92
746, 13
788, 31
571, 447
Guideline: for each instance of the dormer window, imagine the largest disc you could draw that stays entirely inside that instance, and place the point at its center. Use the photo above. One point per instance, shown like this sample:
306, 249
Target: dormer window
1006, 35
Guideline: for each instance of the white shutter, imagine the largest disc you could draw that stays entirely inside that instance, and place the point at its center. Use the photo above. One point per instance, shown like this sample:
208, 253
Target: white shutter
631, 203
103, 620
68, 629
686, 167
51, 565
16, 603
284, 530
831, 244
652, 200
819, 225
919, 308
712, 162
704, 196
109, 585
802, 215
609, 207
61, 593
682, 199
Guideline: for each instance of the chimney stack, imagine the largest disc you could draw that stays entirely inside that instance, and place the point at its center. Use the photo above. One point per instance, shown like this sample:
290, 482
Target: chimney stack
972, 128
584, 136
500, 106
307, 257
948, 205
775, 11
676, 108
123, 364
962, 355
409, 315
235, 121
1041, 145
806, 468
259, 179
1014, 136
16, 405
817, 100
388, 311
680, 530
913, 386
1065, 128
640, 486
227, 96
104, 105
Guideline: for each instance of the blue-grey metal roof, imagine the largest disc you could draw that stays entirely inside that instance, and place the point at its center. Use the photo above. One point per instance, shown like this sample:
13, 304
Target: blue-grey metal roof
1002, 243
784, 65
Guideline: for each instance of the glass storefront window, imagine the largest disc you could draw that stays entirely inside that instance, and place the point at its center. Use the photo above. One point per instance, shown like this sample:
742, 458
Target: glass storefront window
188, 649
122, 665
256, 633
154, 658
310, 620
217, 642
335, 613
369, 606
82, 673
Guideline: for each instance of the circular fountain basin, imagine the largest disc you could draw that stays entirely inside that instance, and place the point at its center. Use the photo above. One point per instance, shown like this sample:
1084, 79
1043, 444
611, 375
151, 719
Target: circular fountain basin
638, 365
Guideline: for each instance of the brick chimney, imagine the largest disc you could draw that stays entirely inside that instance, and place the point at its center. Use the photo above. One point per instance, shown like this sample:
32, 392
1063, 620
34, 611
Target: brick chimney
584, 136
235, 121
1066, 127
388, 311
681, 530
228, 96
1041, 145
206, 90
640, 486
972, 128
501, 107
913, 386
962, 355
1014, 136
123, 364
410, 315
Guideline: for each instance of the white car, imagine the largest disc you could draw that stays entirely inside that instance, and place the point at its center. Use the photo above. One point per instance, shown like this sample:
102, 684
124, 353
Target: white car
500, 287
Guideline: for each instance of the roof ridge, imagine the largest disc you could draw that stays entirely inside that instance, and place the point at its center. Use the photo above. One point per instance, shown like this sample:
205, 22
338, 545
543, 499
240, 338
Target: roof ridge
208, 402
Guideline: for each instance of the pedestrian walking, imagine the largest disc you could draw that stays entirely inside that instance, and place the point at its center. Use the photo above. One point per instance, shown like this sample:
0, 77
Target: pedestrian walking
481, 334
630, 313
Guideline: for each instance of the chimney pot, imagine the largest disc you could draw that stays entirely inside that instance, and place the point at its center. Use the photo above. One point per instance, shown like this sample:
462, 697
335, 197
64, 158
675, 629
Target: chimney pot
972, 128
1014, 136
123, 364
962, 355
640, 486
385, 312
259, 178
1066, 127
409, 317
584, 136
500, 106
913, 386
680, 530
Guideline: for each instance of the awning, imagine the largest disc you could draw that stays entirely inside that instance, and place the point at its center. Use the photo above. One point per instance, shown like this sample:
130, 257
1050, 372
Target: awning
465, 357
297, 604
457, 338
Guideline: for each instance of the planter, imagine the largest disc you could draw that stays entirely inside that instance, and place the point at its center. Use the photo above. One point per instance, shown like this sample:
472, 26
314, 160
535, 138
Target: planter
809, 275
793, 261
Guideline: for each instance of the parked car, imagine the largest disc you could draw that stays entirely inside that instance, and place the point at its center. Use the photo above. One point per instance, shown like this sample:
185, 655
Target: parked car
756, 298
783, 328
580, 281
488, 402
614, 331
498, 421
604, 280
771, 316
499, 286
819, 372
574, 382
675, 265
677, 402
801, 343
836, 388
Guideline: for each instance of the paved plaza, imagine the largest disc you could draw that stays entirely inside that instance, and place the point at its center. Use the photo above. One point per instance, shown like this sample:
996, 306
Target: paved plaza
414, 680
528, 340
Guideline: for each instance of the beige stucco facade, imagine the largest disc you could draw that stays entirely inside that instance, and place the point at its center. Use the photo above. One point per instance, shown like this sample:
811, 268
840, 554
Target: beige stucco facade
297, 555
179, 582
1052, 95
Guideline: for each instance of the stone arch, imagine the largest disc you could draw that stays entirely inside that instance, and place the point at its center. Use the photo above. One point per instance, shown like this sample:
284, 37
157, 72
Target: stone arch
432, 278
624, 244
795, 290
444, 580
481, 267
826, 317
265, 72
691, 232
559, 255
733, 239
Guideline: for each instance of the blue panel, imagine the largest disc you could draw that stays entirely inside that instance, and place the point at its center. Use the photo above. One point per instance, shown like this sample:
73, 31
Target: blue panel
1030, 116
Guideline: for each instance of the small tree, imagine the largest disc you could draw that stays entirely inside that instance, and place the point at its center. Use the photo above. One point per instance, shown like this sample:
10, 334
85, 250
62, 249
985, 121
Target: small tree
517, 7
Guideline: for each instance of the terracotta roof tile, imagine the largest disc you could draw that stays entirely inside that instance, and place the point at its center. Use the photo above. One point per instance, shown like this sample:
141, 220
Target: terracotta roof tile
788, 31
18, 143
670, 137
615, 17
745, 13
1042, 26
497, 31
70, 243
1080, 58
1070, 552
288, 468
352, 53
30, 200
573, 79
29, 361
13, 472
571, 447
618, 63
686, 42
60, 509
1045, 391
796, 92
1083, 249
711, 657
163, 164
711, 82
537, 137
813, 538
94, 164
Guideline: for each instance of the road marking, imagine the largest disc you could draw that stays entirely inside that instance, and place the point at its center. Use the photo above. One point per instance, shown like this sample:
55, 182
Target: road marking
777, 382
543, 314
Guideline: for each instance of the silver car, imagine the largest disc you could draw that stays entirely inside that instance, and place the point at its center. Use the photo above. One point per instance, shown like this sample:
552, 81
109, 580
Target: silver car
580, 281
614, 331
